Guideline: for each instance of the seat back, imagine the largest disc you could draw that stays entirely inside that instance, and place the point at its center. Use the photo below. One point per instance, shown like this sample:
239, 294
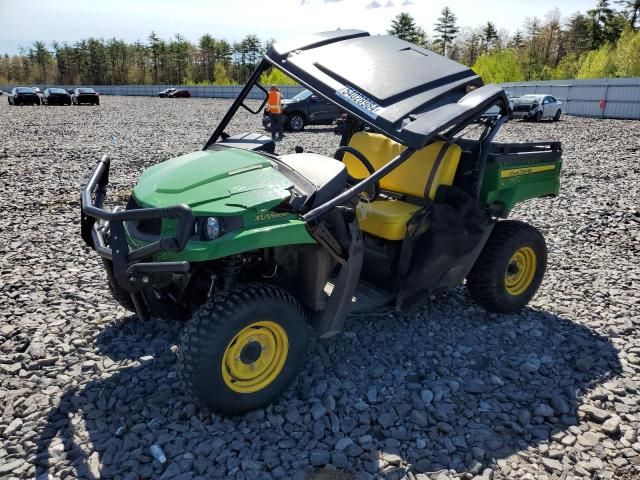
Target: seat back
419, 176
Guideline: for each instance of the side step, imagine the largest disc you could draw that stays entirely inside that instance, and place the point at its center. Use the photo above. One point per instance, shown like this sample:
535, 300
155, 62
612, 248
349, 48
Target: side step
368, 297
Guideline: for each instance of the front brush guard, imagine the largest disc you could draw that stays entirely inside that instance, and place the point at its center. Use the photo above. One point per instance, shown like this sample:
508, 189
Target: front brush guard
127, 263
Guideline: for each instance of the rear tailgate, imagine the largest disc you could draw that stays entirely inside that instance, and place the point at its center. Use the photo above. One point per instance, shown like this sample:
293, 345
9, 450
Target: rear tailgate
516, 172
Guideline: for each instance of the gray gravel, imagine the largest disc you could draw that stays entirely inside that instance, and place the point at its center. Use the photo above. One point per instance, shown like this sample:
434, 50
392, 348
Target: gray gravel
450, 391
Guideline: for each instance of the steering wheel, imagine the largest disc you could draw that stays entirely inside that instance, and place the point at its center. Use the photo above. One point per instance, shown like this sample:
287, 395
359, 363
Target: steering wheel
375, 188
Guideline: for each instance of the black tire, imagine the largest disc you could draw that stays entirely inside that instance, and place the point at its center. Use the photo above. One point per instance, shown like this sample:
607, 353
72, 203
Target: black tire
119, 294
488, 280
295, 122
221, 324
556, 117
538, 117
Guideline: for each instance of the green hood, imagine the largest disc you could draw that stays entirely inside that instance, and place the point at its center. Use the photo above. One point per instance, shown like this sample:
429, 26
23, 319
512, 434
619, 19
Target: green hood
227, 182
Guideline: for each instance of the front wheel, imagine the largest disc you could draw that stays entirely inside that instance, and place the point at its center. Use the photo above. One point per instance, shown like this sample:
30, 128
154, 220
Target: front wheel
118, 293
538, 117
510, 268
556, 117
242, 349
295, 123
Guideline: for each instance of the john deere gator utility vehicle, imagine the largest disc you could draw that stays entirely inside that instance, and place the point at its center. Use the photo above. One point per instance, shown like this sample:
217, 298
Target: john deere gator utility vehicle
253, 247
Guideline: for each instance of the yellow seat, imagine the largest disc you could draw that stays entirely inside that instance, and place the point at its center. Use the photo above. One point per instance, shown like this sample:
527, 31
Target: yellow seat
388, 218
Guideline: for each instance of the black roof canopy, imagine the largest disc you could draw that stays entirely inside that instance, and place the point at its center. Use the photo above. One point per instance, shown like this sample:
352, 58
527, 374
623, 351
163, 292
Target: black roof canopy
403, 90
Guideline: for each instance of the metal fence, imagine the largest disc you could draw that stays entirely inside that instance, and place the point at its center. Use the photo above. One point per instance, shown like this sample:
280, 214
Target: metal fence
202, 91
605, 98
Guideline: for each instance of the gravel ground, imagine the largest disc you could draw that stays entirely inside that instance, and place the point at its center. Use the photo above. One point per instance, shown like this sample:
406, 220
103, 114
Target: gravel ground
450, 391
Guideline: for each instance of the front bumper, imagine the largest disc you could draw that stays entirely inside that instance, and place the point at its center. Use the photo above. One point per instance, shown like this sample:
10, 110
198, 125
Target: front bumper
109, 239
524, 115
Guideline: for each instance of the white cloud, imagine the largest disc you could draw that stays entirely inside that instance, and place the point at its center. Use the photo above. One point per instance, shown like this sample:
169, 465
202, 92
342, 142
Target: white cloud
374, 4
407, 2
389, 4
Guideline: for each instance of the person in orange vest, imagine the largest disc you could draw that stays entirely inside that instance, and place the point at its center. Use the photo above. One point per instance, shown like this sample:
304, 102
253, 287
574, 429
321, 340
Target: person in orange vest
274, 105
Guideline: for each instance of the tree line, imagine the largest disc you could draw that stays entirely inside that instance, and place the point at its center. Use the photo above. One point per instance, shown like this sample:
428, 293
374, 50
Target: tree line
96, 61
603, 42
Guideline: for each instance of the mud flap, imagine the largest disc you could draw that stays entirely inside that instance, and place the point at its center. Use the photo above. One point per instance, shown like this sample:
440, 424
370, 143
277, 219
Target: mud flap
341, 298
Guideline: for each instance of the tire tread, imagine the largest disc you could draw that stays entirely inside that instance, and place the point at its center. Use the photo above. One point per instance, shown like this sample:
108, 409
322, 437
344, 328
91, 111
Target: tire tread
481, 280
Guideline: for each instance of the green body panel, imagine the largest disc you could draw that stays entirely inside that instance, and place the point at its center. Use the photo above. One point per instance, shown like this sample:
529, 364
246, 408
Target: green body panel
288, 232
508, 183
229, 182
223, 182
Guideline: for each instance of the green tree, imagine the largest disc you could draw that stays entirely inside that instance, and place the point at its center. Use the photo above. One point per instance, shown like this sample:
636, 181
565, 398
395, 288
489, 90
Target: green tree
207, 57
632, 10
404, 27
628, 54
446, 28
156, 50
598, 63
567, 67
517, 41
605, 23
41, 57
498, 67
489, 36
578, 34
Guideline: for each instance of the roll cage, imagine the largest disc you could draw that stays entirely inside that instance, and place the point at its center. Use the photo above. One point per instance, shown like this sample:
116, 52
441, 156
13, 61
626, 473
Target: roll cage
441, 123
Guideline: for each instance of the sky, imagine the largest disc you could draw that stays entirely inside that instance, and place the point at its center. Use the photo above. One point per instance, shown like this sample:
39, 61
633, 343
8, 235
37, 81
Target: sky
24, 21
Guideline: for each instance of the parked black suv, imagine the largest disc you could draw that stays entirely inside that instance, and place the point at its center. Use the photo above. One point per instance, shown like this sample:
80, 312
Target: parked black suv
305, 109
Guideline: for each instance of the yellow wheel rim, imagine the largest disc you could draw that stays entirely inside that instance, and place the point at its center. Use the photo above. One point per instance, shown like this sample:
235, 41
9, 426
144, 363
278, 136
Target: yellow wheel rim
520, 271
255, 357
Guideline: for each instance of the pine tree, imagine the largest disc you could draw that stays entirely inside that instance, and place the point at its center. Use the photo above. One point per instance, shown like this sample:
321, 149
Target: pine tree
155, 49
404, 27
577, 34
632, 10
606, 24
446, 28
517, 41
489, 36
41, 57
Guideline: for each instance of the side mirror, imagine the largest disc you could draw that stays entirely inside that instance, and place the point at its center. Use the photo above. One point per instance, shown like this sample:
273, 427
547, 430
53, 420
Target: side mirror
299, 149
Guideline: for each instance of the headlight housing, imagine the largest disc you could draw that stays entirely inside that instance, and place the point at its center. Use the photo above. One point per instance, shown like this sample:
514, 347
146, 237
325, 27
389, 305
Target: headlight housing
211, 228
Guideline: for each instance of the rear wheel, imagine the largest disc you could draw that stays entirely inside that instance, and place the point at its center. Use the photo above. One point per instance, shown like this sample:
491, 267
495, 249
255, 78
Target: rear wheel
241, 350
510, 268
556, 117
295, 123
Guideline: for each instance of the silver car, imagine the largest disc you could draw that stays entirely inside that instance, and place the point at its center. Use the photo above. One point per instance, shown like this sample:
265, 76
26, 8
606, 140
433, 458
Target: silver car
537, 107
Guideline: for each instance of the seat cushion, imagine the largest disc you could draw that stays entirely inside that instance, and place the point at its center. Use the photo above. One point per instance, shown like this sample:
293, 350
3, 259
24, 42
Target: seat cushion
386, 218
414, 177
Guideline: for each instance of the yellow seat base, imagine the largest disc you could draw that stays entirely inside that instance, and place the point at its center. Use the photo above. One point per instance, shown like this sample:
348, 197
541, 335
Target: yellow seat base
416, 177
385, 218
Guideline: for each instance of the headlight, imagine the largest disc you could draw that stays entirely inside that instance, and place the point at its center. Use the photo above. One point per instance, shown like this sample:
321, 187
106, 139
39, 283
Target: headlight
211, 228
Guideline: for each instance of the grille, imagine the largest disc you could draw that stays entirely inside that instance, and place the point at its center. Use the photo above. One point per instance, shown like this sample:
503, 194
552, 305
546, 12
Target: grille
521, 108
151, 226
